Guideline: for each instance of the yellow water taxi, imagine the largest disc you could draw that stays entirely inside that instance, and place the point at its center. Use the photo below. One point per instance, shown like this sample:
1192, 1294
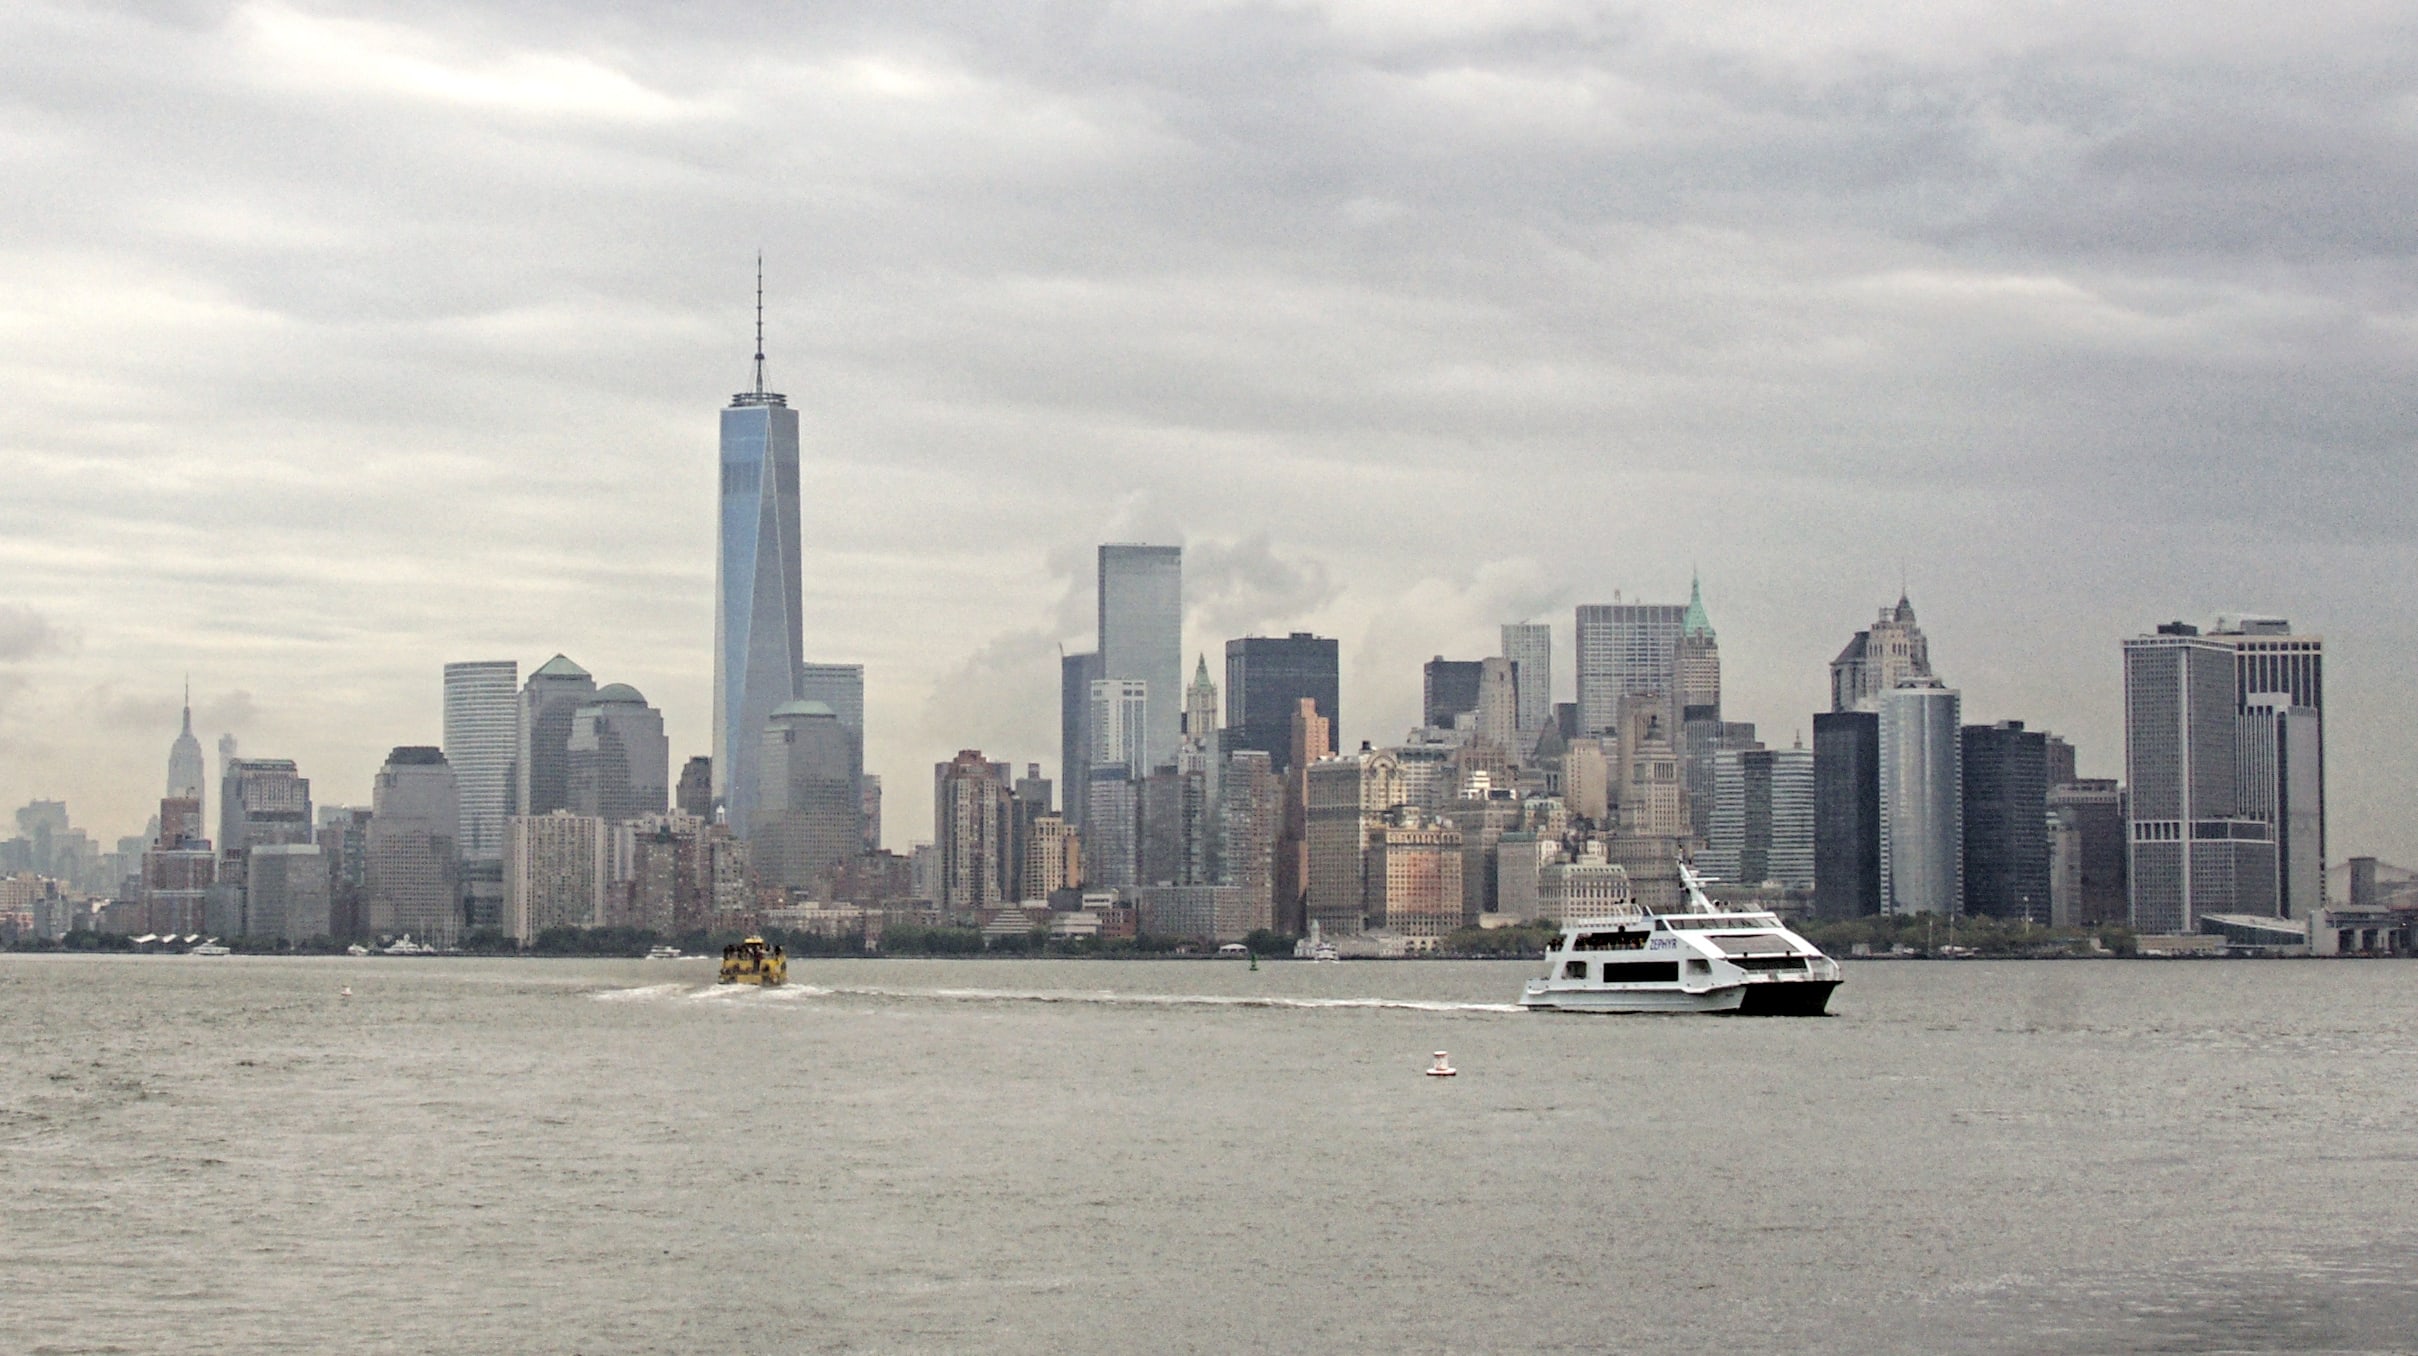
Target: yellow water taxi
752, 962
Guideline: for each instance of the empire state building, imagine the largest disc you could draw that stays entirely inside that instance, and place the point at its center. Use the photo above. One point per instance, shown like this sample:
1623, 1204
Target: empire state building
757, 614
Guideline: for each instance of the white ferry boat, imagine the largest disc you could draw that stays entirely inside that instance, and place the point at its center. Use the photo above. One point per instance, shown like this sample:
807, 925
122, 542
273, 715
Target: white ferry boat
664, 953
211, 947
1703, 958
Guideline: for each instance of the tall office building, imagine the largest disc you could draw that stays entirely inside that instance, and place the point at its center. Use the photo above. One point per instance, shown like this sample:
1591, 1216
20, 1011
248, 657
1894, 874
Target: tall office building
1922, 846
413, 870
1625, 650
1448, 690
185, 771
482, 742
1251, 820
695, 796
2283, 783
2007, 822
1890, 651
1311, 739
1120, 725
2197, 845
838, 686
759, 620
1414, 876
1267, 679
807, 811
1529, 647
1696, 676
1497, 713
262, 801
1346, 799
2089, 813
287, 892
620, 764
1142, 638
542, 760
1076, 674
1763, 817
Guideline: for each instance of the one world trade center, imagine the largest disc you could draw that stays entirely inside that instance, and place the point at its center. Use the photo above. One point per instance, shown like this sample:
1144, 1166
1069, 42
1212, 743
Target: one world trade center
757, 613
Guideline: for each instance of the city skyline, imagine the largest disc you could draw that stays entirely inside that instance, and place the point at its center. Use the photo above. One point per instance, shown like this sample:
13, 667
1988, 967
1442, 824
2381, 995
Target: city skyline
249, 436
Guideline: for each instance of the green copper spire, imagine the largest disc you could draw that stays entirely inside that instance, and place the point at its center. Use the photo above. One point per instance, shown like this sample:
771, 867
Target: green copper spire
1695, 623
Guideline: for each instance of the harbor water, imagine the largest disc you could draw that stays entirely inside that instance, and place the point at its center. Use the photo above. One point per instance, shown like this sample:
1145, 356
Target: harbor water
232, 1155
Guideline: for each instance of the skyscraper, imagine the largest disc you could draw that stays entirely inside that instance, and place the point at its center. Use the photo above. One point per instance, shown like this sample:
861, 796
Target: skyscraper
413, 871
1448, 689
2197, 844
542, 763
1922, 844
807, 813
1529, 647
1142, 637
1763, 817
482, 742
1267, 677
185, 770
1119, 724
1890, 651
1696, 702
2006, 822
1625, 650
1076, 674
619, 763
262, 801
970, 828
759, 621
838, 686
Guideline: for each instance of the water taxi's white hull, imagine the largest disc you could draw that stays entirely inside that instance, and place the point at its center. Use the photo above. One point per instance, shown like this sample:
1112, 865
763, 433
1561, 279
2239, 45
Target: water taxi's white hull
1633, 1000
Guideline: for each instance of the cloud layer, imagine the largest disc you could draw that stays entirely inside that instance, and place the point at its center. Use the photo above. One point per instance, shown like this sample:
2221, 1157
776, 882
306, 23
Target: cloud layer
344, 340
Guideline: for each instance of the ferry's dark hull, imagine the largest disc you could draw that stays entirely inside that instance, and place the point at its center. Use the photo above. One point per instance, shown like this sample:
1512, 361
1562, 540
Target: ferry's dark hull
1791, 998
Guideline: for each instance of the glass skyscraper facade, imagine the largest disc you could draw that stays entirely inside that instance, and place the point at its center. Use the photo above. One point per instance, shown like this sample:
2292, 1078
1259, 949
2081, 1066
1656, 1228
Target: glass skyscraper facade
1266, 679
758, 608
482, 737
1142, 638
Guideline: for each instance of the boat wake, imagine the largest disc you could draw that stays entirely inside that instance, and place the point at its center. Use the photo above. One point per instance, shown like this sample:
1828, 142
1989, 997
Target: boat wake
797, 992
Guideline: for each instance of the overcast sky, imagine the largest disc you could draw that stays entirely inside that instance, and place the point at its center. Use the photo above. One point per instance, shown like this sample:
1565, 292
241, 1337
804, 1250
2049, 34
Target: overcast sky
340, 341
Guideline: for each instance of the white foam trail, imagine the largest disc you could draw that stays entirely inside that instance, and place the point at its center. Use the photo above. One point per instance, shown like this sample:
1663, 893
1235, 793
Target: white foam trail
749, 993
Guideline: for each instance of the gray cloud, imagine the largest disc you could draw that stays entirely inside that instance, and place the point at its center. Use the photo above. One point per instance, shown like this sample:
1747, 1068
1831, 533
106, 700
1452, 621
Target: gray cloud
27, 634
348, 339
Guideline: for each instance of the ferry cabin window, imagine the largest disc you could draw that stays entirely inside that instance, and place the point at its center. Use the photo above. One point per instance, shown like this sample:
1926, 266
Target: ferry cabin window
1640, 972
1574, 970
1699, 967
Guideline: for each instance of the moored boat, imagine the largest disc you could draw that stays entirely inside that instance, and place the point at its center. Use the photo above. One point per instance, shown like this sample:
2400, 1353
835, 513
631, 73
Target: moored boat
752, 962
1703, 958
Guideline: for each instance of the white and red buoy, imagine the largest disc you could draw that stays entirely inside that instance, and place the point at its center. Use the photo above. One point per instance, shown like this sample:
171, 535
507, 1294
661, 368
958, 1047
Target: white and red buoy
1442, 1068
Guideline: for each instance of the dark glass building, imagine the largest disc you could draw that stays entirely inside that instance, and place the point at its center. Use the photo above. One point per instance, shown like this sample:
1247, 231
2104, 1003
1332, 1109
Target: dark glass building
1451, 688
2006, 821
1847, 814
1266, 679
1076, 674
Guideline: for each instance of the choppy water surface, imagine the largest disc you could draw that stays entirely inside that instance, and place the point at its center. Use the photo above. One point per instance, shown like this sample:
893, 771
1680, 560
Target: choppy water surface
229, 1155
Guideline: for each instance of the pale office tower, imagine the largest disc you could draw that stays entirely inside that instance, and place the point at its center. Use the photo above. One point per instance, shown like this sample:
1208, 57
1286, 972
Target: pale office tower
1922, 799
1529, 647
542, 756
263, 801
2269, 659
557, 874
1763, 817
1141, 638
869, 808
482, 740
759, 616
1053, 859
807, 828
2197, 848
1587, 782
286, 892
1203, 756
185, 771
838, 686
1498, 710
1696, 708
412, 869
1347, 797
1029, 799
1176, 831
1120, 726
1200, 706
1653, 798
1877, 660
1414, 877
1427, 772
1112, 829
620, 764
970, 828
2283, 761
1251, 819
1625, 650
1519, 859
1580, 882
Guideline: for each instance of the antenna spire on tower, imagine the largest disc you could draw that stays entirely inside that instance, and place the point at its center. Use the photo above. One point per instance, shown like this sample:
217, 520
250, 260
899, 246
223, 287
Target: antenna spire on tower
759, 322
